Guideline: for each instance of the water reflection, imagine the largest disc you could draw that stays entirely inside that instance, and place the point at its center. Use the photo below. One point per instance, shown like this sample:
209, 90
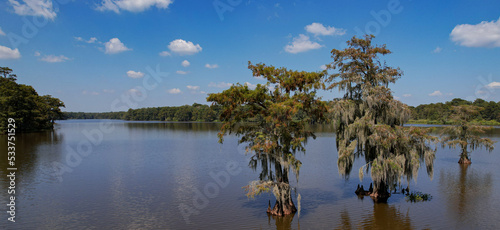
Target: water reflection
467, 193
28, 148
384, 216
282, 222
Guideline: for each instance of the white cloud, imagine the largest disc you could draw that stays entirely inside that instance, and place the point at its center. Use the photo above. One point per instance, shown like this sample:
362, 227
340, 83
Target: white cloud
484, 34
436, 93
174, 91
164, 53
91, 40
220, 84
132, 5
181, 72
182, 47
108, 90
213, 66
250, 85
37, 54
323, 67
1, 32
134, 91
301, 44
185, 63
437, 50
93, 93
193, 87
54, 58
133, 74
494, 84
406, 95
42, 8
8, 53
115, 46
319, 29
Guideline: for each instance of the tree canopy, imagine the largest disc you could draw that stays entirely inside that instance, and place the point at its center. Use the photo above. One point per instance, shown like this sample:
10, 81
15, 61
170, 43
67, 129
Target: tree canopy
31, 111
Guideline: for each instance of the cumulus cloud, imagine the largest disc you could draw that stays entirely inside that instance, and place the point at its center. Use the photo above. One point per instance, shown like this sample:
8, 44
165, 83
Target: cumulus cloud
132, 5
193, 87
181, 72
319, 29
301, 44
182, 47
436, 93
174, 91
185, 63
37, 54
115, 46
42, 8
323, 67
437, 50
493, 85
220, 84
484, 34
213, 66
133, 74
54, 58
8, 53
1, 32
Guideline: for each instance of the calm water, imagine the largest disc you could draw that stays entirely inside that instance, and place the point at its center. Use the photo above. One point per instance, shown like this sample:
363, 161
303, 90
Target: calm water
147, 175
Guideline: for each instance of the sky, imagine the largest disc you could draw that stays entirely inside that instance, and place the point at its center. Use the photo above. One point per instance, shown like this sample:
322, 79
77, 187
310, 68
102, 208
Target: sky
112, 55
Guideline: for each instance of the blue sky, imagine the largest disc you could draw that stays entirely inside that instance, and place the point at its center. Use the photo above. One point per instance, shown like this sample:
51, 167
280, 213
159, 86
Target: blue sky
104, 55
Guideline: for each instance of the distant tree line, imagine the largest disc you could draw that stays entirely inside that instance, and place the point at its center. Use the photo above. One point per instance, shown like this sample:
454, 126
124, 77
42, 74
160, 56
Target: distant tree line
195, 112
22, 103
438, 113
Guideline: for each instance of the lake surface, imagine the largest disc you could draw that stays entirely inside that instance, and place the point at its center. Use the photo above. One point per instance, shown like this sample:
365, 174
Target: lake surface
153, 175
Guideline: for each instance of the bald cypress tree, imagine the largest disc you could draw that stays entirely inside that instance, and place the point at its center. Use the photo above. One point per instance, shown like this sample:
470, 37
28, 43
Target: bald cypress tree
368, 121
270, 120
465, 135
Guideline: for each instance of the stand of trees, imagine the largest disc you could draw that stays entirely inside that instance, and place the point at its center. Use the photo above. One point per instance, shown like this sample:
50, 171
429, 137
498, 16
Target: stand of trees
195, 112
31, 111
441, 113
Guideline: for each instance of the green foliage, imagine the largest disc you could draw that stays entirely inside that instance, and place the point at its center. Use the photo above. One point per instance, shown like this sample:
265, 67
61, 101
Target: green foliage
369, 122
418, 197
21, 102
439, 113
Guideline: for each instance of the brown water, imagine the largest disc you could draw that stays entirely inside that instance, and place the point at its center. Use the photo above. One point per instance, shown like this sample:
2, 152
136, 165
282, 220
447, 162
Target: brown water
147, 175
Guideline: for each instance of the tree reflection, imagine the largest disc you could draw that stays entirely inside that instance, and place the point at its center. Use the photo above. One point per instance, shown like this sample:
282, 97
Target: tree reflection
282, 222
27, 154
384, 216
467, 192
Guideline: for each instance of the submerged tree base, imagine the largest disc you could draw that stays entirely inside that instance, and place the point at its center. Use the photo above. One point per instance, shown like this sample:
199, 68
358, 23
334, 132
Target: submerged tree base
465, 161
282, 210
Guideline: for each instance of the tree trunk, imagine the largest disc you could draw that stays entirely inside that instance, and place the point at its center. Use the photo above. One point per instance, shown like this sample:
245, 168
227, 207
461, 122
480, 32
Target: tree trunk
284, 204
464, 160
380, 193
